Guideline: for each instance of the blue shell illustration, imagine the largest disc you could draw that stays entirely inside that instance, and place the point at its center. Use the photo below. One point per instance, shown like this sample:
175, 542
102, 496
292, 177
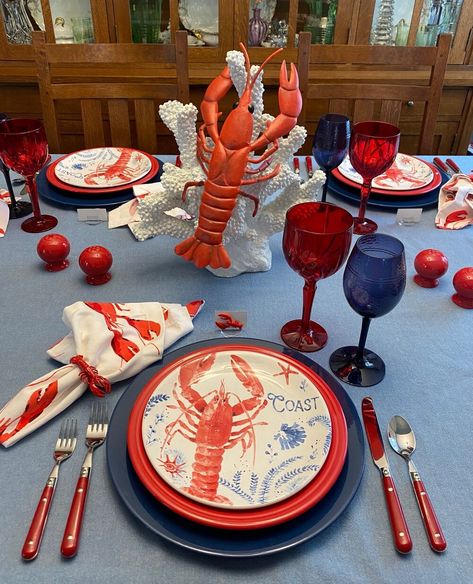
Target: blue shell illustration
290, 436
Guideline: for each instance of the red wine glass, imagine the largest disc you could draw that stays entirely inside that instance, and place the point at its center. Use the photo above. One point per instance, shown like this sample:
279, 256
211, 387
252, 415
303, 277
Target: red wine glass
24, 149
316, 242
373, 149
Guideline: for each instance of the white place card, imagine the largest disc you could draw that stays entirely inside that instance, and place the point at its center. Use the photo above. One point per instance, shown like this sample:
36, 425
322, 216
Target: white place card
408, 216
92, 215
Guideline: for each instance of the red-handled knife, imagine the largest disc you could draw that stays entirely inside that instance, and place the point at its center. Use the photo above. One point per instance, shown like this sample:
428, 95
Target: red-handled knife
453, 165
297, 168
310, 169
400, 531
440, 164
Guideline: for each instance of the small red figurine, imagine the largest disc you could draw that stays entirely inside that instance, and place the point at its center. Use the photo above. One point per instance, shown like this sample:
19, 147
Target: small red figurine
54, 249
463, 284
227, 321
96, 262
430, 265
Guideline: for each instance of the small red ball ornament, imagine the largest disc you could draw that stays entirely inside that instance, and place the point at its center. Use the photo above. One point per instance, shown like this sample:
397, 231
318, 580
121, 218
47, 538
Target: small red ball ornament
95, 261
430, 265
54, 249
463, 284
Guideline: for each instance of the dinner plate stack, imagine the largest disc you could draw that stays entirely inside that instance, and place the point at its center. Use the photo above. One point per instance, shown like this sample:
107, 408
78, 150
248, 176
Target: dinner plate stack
410, 182
98, 177
228, 438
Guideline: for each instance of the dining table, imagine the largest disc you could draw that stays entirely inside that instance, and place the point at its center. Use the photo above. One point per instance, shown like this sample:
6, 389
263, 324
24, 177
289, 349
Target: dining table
425, 341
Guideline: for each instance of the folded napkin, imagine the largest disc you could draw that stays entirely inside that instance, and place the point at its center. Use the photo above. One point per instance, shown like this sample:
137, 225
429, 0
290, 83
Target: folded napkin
108, 342
128, 212
4, 217
455, 207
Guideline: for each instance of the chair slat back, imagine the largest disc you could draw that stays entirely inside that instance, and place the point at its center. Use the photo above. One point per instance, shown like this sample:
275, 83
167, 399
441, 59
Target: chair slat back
370, 82
113, 111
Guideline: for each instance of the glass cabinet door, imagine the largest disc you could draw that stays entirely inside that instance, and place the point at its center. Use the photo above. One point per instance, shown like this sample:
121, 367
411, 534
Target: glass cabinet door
318, 17
20, 17
72, 20
393, 20
146, 22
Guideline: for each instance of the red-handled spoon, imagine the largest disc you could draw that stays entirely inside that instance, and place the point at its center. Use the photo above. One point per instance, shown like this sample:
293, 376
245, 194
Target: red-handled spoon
403, 441
442, 166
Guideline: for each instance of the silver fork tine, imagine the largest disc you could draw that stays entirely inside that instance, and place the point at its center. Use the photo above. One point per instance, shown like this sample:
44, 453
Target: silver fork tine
63, 450
95, 436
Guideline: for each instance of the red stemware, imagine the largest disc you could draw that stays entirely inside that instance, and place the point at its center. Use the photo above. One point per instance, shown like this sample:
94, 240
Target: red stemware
316, 242
373, 149
24, 149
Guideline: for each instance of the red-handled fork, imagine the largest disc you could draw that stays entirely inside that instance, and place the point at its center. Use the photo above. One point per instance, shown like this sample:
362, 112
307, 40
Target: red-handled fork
95, 437
65, 446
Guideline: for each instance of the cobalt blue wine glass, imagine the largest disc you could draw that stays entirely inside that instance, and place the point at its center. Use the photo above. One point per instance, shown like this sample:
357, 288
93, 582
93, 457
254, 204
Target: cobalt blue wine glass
374, 281
331, 142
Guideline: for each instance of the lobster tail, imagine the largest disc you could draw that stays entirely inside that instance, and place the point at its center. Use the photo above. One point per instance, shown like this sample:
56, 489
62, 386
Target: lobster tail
203, 254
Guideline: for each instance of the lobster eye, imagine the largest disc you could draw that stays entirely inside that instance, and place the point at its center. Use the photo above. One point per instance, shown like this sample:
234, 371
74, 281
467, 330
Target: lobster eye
251, 108
235, 105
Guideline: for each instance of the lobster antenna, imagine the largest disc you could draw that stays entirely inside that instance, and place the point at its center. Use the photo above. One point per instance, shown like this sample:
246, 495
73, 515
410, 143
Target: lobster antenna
253, 81
247, 64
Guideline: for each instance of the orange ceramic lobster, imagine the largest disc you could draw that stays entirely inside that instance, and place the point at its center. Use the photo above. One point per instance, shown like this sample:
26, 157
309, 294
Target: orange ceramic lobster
225, 164
213, 424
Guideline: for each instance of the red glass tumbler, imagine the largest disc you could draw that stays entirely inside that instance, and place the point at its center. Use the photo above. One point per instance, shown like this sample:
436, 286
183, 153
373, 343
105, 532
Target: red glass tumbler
316, 242
373, 149
24, 149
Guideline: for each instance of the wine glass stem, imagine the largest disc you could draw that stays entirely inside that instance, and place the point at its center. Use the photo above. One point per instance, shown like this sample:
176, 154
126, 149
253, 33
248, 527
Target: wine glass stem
365, 193
364, 333
308, 299
33, 191
325, 187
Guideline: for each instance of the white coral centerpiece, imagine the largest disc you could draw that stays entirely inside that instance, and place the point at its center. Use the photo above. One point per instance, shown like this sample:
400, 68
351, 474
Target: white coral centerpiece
246, 238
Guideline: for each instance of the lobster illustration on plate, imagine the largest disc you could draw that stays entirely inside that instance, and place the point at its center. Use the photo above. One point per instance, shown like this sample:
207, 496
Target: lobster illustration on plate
109, 173
213, 422
225, 164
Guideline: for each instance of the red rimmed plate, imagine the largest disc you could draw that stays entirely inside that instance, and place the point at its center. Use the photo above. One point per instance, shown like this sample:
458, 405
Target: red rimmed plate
258, 518
433, 184
52, 179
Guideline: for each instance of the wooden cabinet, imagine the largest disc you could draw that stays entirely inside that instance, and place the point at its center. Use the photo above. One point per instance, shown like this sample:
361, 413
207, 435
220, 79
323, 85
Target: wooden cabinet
352, 22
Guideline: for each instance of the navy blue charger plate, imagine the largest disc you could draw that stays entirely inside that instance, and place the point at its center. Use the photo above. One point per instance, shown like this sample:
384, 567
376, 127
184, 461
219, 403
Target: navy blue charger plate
50, 193
389, 202
219, 542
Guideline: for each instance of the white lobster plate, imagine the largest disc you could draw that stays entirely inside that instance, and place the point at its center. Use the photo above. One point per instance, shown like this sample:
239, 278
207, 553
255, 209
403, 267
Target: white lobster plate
406, 173
237, 428
97, 168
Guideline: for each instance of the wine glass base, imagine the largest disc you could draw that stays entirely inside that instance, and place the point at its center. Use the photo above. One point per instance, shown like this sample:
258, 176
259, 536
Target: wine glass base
306, 341
21, 209
364, 372
364, 226
39, 224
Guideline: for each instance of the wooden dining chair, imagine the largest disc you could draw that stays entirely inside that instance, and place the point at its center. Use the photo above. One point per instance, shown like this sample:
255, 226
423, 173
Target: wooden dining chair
370, 82
114, 111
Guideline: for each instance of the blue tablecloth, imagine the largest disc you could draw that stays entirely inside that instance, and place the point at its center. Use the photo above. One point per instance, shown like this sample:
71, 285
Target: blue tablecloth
426, 342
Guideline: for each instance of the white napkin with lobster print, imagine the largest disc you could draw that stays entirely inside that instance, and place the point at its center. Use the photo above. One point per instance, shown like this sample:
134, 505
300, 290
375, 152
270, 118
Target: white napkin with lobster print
455, 207
108, 342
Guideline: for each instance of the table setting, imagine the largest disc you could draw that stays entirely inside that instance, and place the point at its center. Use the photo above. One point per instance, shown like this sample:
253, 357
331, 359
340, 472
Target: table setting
272, 447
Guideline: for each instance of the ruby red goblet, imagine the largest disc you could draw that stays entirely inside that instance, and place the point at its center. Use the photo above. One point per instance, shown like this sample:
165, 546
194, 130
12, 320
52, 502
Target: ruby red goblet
373, 149
95, 261
316, 242
24, 149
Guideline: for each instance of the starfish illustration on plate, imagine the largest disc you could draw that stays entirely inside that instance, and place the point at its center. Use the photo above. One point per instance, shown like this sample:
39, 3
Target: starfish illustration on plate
286, 371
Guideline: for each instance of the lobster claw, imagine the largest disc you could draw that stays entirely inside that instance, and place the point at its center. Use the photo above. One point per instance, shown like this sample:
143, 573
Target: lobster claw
290, 98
